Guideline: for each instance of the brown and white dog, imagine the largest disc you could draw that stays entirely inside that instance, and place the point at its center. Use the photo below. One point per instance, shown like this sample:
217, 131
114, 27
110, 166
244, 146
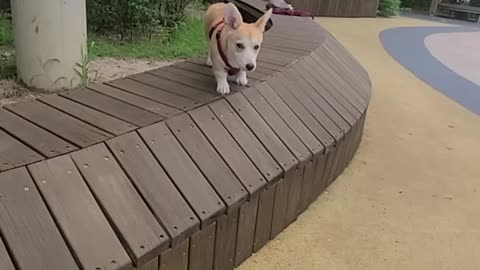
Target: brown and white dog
233, 44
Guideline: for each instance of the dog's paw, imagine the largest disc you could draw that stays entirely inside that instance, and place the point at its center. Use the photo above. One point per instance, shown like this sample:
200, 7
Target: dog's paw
223, 88
209, 62
242, 79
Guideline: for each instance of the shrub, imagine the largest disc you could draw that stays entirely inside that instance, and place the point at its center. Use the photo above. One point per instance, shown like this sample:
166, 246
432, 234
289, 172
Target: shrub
129, 19
475, 3
417, 4
389, 8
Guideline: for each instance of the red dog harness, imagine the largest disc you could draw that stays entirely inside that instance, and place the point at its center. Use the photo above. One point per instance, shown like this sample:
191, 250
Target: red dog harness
231, 70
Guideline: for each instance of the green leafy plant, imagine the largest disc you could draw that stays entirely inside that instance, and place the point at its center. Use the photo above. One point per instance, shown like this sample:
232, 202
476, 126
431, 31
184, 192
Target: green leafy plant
388, 8
83, 69
133, 19
421, 5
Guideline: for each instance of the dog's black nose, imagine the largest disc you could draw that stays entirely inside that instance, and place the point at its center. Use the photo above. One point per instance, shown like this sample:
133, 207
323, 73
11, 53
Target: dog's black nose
250, 67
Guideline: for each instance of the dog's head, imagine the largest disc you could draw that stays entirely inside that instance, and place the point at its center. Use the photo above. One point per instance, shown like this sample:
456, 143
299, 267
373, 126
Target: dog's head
244, 39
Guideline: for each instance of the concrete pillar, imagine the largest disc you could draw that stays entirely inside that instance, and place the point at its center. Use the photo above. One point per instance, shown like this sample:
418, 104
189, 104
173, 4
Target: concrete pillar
50, 39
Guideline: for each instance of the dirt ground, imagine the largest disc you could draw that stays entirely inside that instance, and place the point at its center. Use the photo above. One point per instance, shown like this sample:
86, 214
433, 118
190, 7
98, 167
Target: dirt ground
103, 69
410, 200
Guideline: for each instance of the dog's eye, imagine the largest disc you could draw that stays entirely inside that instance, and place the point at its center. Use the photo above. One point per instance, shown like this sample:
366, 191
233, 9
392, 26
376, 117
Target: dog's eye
256, 47
240, 46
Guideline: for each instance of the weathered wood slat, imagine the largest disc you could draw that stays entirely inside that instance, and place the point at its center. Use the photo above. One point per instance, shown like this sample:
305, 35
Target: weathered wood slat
14, 153
183, 172
264, 218
113, 107
202, 249
27, 227
59, 123
159, 95
37, 138
208, 161
230, 151
173, 87
280, 86
177, 75
246, 233
278, 126
280, 207
175, 258
319, 100
95, 118
89, 235
290, 118
135, 100
152, 182
225, 241
314, 110
247, 140
138, 229
5, 261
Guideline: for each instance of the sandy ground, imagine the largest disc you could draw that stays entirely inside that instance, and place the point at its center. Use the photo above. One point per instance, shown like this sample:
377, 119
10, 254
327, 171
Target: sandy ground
103, 69
411, 197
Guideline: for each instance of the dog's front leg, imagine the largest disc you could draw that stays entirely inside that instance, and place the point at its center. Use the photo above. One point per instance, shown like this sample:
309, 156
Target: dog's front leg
242, 78
222, 84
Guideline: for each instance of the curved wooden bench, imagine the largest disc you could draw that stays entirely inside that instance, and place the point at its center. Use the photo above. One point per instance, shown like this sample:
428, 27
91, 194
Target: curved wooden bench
156, 171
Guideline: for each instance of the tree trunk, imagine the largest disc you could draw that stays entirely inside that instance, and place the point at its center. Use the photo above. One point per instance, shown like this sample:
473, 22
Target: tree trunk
50, 40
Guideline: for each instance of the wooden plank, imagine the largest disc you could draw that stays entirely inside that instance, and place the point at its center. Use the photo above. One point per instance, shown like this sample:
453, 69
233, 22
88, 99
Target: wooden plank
280, 208
322, 91
246, 232
175, 258
95, 118
262, 131
264, 218
314, 110
37, 138
318, 184
150, 179
213, 167
290, 118
280, 86
61, 124
331, 86
225, 241
276, 123
230, 151
113, 107
89, 234
207, 70
341, 74
135, 100
307, 88
202, 72
247, 140
173, 87
152, 265
177, 75
137, 228
26, 224
294, 179
338, 83
5, 261
14, 153
152, 93
307, 184
202, 249
183, 172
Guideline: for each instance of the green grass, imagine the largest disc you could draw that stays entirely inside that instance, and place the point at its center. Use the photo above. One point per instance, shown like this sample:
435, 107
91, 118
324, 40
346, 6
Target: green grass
6, 32
185, 42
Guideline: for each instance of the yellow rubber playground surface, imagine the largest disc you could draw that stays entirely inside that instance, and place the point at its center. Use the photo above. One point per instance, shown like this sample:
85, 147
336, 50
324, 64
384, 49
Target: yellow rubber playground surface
411, 197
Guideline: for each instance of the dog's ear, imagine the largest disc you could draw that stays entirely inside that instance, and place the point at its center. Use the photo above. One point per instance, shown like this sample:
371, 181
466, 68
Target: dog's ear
233, 18
262, 21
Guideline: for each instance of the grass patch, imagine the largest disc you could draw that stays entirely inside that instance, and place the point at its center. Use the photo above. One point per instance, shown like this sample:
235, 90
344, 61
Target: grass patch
6, 32
185, 42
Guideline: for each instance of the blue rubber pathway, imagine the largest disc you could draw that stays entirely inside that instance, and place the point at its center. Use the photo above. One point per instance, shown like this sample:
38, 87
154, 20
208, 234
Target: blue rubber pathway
407, 46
